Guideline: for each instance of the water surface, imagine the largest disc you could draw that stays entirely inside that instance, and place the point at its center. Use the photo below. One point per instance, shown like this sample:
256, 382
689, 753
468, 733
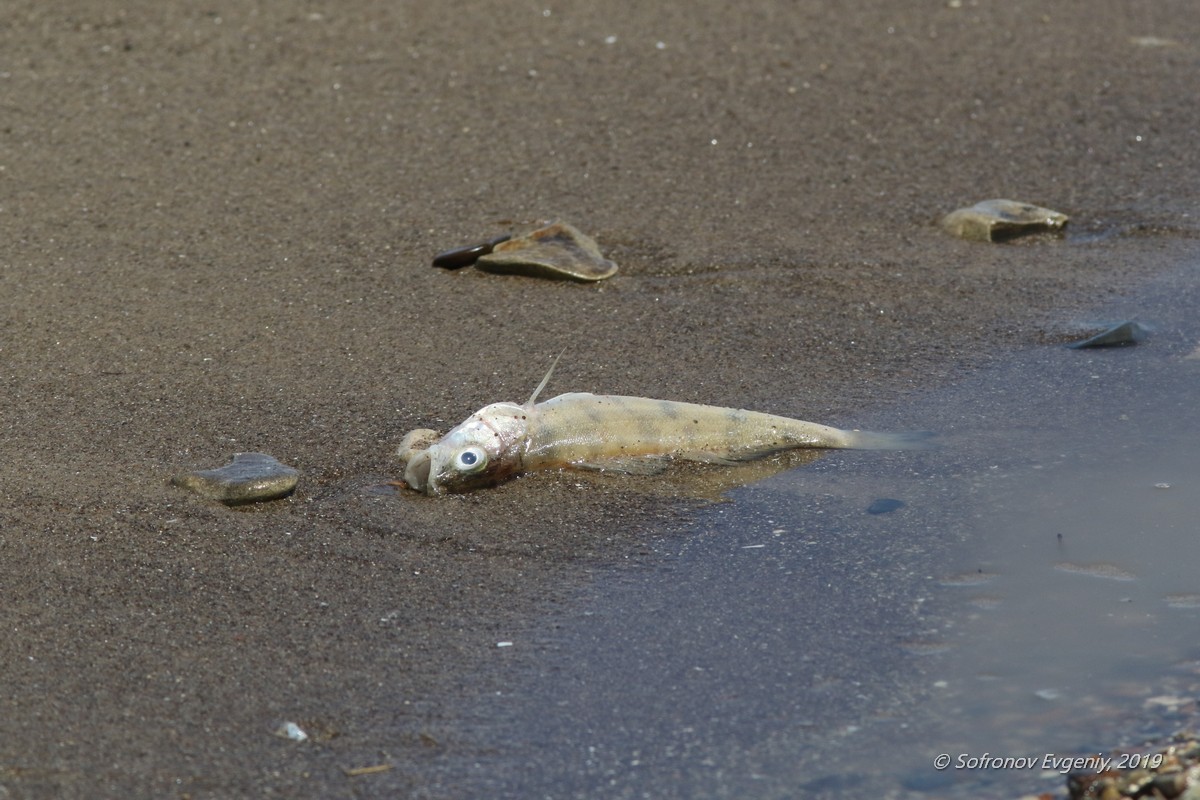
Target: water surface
1033, 594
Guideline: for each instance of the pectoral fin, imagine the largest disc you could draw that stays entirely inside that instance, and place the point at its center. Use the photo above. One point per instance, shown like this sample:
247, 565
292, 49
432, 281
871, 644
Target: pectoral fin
715, 458
630, 465
414, 452
653, 465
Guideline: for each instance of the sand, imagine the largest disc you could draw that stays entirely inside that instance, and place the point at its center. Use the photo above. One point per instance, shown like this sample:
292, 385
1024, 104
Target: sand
216, 229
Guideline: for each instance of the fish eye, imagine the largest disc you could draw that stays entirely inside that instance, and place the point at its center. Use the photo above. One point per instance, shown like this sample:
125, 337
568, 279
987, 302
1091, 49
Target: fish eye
471, 459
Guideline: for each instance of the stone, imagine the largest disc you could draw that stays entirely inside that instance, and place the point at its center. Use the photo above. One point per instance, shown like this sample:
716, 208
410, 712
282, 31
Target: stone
249, 478
461, 257
556, 251
998, 220
1121, 334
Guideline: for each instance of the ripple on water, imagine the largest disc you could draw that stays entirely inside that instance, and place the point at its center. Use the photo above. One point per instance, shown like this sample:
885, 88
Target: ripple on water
1183, 600
1097, 570
976, 578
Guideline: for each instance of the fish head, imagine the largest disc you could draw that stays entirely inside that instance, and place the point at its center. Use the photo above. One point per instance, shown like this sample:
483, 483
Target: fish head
483, 450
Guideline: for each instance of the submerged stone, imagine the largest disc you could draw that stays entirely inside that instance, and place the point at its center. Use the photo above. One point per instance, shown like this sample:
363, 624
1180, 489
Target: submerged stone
249, 478
997, 220
885, 505
1121, 334
556, 251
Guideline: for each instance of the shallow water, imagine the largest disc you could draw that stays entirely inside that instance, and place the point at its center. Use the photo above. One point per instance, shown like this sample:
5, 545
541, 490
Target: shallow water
1035, 595
1079, 587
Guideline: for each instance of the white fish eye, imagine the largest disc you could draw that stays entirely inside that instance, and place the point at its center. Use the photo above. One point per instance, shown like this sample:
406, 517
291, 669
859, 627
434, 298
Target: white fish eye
471, 459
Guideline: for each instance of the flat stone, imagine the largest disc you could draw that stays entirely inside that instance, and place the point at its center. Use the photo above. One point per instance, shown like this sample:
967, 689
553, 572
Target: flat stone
1120, 334
997, 220
249, 478
557, 251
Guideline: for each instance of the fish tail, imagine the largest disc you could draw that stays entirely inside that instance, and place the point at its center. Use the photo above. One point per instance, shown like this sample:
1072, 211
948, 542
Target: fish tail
874, 440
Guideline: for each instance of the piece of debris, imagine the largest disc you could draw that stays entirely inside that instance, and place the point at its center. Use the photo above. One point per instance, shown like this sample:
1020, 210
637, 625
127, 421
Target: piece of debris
375, 769
998, 220
290, 730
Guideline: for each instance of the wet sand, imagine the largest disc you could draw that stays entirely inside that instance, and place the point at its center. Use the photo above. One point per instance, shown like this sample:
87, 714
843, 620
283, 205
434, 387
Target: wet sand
215, 236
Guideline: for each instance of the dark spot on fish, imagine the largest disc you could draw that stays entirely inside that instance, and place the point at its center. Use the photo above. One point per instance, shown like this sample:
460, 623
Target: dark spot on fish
461, 257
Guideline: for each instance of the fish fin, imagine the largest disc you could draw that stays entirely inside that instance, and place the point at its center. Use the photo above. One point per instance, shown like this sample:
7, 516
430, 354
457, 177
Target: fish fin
705, 457
533, 397
909, 440
416, 471
629, 465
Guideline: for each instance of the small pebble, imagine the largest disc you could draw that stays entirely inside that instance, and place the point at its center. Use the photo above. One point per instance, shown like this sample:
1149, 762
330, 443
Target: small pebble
249, 478
997, 220
290, 730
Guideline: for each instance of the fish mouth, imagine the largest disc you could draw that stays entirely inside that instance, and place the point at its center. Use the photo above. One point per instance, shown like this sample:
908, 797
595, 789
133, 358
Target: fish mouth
418, 473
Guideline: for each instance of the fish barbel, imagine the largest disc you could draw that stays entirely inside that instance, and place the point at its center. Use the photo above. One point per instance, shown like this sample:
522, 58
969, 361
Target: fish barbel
609, 432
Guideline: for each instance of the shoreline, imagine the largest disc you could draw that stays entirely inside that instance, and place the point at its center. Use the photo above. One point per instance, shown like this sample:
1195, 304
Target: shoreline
217, 238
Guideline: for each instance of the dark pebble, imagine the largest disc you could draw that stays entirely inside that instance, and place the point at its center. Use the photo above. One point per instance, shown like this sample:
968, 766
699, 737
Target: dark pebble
1117, 335
883, 505
466, 256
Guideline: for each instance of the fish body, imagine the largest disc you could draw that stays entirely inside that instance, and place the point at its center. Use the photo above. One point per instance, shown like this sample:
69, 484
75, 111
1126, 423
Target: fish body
627, 434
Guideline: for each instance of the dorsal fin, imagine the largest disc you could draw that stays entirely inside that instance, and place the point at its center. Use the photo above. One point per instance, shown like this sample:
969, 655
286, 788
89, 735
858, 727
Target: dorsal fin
533, 397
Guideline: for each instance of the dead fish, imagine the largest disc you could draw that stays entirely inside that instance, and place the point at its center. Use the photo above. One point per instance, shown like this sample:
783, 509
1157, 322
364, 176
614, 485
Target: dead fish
634, 435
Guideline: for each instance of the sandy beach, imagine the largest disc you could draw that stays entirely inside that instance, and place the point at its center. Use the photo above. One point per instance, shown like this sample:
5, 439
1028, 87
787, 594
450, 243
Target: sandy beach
216, 229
